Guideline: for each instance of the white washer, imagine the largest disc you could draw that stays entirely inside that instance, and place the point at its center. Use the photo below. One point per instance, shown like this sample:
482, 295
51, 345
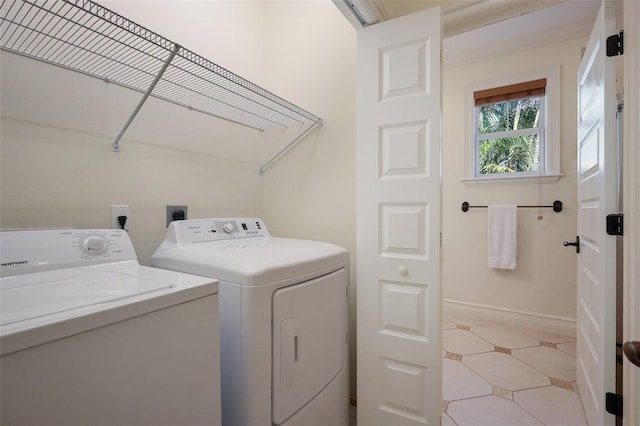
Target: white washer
88, 336
283, 319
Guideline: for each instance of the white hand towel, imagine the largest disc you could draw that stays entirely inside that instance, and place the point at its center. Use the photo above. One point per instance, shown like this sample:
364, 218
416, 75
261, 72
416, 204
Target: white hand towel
503, 225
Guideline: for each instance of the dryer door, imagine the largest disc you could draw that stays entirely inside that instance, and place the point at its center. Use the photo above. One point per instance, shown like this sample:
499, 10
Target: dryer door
309, 340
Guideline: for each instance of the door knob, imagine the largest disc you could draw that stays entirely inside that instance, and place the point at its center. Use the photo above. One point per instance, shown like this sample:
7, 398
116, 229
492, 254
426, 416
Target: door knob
576, 244
632, 352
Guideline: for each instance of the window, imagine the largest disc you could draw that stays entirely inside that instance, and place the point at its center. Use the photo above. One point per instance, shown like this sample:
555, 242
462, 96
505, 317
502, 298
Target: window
513, 129
509, 125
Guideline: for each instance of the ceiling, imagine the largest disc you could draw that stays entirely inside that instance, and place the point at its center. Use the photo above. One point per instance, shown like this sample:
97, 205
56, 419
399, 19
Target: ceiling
459, 16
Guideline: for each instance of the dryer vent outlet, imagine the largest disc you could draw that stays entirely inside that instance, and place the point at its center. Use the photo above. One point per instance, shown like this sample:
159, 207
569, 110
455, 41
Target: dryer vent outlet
176, 213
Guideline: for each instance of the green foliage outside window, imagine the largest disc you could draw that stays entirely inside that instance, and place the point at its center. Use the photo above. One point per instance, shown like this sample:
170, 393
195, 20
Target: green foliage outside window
509, 138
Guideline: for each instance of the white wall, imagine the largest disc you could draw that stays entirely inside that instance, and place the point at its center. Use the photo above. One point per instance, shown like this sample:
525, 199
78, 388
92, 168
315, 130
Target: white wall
311, 51
228, 33
544, 282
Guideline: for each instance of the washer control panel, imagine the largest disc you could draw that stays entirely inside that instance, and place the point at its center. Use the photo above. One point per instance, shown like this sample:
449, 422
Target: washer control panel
50, 249
200, 230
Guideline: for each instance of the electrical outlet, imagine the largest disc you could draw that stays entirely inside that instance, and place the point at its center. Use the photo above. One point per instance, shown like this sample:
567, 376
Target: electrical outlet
176, 213
120, 210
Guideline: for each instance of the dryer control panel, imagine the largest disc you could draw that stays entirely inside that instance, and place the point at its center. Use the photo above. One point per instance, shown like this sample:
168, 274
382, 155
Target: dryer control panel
216, 229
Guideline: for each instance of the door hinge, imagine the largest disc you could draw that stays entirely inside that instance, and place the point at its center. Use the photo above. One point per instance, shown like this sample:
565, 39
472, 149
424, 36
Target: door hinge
615, 44
615, 224
613, 404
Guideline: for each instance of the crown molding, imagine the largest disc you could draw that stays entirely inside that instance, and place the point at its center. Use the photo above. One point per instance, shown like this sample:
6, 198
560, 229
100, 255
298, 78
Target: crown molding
379, 9
371, 11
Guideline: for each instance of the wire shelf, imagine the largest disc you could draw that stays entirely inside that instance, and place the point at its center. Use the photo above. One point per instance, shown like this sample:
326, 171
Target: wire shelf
83, 36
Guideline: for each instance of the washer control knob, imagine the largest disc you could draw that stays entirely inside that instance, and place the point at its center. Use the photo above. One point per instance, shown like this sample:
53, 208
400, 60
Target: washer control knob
228, 227
403, 270
94, 244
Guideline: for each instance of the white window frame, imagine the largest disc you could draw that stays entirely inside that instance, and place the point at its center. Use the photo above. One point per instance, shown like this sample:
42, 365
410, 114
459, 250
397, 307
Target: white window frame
550, 138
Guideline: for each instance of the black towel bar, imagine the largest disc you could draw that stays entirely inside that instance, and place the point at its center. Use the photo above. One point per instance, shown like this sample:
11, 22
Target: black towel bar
557, 207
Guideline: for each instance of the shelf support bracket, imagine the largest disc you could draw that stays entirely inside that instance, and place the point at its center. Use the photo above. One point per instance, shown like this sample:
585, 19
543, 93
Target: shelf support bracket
288, 147
116, 143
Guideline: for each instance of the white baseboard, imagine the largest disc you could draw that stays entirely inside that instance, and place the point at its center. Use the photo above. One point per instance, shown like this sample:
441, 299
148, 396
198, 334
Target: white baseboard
552, 324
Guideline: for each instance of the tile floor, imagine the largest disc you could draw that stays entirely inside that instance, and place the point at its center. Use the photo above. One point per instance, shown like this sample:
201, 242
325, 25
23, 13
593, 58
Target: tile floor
495, 374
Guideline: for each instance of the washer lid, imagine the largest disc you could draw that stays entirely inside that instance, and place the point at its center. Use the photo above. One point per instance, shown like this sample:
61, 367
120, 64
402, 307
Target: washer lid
36, 295
40, 307
253, 261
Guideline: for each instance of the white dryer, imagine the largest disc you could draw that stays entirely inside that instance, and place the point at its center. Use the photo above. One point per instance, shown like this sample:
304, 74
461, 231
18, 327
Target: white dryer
283, 319
88, 336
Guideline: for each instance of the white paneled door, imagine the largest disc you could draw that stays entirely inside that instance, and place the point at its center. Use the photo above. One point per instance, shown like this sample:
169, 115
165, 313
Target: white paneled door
398, 221
597, 197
